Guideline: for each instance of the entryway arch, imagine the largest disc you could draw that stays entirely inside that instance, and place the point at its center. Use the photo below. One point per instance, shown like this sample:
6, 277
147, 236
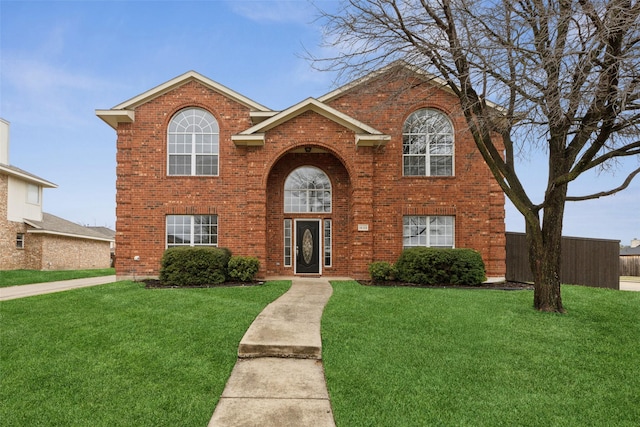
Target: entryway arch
307, 215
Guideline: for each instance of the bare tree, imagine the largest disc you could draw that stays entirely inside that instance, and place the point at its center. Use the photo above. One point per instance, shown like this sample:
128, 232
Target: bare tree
565, 73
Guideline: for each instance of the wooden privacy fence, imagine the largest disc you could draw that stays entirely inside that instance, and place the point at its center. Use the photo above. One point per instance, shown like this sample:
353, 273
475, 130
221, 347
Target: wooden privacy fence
630, 265
587, 262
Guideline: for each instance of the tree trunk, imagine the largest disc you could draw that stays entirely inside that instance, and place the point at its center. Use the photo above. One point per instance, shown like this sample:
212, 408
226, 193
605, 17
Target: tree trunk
545, 254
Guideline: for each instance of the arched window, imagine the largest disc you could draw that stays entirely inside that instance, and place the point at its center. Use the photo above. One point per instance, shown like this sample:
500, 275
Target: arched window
193, 143
307, 189
427, 144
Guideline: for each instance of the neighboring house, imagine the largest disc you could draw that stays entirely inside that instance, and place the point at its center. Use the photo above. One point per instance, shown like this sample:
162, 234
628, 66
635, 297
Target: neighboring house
324, 187
32, 239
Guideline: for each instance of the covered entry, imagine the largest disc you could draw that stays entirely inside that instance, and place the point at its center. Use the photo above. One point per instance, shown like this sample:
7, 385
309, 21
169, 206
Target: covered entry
307, 214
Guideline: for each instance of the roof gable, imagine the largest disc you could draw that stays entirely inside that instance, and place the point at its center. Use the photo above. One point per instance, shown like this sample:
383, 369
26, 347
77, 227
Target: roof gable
124, 112
395, 66
365, 134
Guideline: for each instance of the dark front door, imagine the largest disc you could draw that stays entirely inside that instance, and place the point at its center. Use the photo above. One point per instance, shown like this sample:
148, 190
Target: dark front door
308, 247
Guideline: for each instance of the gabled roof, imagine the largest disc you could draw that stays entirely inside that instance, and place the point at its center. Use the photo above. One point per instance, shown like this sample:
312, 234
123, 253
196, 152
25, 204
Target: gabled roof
399, 64
25, 176
124, 112
365, 134
52, 224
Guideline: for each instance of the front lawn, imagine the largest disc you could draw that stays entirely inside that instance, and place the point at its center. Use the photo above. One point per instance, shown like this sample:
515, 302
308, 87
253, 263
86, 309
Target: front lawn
429, 357
122, 355
26, 277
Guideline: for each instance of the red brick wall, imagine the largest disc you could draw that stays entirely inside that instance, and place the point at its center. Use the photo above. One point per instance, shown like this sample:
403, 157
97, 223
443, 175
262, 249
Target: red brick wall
367, 182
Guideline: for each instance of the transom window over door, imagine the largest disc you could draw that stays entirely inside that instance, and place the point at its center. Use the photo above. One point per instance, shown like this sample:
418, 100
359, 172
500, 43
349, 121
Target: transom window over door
193, 143
307, 189
427, 144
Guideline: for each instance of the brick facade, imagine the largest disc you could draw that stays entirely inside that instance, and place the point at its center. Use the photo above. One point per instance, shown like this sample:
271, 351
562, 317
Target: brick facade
370, 195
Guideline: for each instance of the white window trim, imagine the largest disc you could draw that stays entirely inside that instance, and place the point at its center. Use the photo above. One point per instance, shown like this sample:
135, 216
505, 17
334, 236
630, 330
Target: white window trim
36, 190
20, 241
308, 211
324, 242
427, 155
287, 224
191, 232
428, 234
193, 155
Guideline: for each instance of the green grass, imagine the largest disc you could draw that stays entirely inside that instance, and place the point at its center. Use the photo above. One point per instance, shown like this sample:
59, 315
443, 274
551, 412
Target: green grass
25, 277
122, 355
447, 357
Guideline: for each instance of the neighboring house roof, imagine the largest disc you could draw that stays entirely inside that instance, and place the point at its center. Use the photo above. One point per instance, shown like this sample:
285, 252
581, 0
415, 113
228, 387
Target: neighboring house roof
630, 251
104, 230
25, 176
124, 112
52, 224
365, 134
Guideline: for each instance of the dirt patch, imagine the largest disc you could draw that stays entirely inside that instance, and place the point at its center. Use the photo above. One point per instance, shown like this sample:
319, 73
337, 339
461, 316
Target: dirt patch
502, 286
157, 284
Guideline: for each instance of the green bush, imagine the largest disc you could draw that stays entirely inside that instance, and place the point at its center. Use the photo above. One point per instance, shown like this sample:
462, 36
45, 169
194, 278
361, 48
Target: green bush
194, 266
434, 266
243, 268
382, 271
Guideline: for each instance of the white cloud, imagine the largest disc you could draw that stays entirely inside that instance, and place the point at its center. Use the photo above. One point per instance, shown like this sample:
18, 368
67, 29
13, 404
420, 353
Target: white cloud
275, 11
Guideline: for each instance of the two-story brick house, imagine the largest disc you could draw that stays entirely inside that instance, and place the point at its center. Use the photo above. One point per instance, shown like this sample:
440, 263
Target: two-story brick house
326, 186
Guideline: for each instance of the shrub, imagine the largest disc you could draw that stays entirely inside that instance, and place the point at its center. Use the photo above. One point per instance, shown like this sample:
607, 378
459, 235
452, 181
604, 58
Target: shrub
434, 266
194, 266
243, 268
382, 271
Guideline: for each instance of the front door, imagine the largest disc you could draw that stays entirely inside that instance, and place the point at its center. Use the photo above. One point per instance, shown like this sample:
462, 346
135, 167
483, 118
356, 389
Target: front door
308, 247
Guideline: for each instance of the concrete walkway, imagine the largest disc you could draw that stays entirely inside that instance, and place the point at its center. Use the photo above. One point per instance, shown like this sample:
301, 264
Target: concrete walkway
22, 291
279, 379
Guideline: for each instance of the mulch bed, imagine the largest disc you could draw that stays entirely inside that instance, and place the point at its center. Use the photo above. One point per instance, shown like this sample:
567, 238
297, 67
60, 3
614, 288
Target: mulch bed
503, 286
157, 284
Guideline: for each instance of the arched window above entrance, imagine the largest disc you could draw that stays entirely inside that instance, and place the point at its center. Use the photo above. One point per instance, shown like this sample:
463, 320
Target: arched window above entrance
307, 189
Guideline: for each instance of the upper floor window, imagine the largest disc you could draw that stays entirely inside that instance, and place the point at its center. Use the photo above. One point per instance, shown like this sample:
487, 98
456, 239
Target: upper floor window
33, 194
427, 144
193, 139
307, 189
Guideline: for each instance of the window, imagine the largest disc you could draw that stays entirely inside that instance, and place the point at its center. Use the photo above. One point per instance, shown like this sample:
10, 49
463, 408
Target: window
327, 243
193, 143
307, 189
192, 230
433, 231
427, 144
287, 243
33, 194
20, 241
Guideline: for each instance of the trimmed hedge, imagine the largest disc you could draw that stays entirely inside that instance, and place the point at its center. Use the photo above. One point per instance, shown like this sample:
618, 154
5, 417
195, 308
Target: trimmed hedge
382, 271
194, 266
243, 268
435, 266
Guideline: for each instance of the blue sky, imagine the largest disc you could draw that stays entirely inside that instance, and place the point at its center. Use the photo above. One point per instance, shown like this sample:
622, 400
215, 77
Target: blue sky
62, 60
